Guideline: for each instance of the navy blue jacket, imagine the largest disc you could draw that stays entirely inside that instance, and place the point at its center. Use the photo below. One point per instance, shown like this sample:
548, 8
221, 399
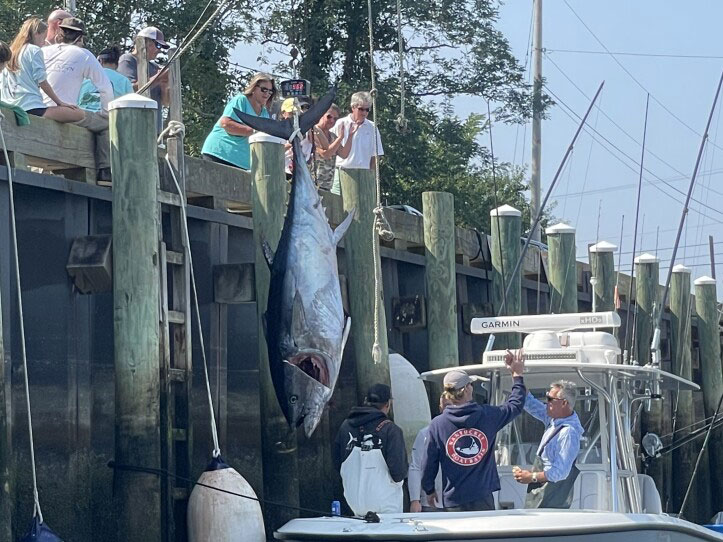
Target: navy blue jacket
462, 439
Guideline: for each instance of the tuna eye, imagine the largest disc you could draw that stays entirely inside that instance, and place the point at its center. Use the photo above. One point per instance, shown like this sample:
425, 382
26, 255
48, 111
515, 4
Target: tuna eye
293, 399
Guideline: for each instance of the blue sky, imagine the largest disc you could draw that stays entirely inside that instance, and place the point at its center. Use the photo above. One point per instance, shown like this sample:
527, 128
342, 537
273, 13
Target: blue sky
686, 86
606, 180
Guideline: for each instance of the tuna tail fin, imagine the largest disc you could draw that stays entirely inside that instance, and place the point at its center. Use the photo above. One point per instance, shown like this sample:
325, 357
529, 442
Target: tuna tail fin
341, 228
284, 128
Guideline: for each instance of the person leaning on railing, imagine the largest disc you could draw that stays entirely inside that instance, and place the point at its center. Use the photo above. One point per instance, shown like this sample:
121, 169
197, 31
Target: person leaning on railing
228, 142
364, 149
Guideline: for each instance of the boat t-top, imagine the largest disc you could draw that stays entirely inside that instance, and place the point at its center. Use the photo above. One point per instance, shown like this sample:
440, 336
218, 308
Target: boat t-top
611, 499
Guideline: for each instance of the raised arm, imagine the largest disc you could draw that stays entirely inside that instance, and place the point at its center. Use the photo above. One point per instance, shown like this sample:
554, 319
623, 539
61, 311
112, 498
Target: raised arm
536, 408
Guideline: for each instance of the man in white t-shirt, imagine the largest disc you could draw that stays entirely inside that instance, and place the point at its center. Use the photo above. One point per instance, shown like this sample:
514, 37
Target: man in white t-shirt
367, 143
67, 65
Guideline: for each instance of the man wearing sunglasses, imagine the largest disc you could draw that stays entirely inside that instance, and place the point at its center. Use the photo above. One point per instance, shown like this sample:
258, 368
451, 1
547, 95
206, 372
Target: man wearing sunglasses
128, 66
552, 477
366, 148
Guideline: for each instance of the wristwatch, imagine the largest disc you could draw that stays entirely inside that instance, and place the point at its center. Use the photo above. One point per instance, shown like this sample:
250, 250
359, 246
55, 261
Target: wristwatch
534, 477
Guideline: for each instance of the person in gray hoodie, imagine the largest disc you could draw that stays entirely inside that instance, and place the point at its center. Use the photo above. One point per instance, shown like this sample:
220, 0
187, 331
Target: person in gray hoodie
462, 440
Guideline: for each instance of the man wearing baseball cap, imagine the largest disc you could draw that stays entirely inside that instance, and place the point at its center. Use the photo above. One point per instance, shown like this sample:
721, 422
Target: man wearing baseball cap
128, 66
462, 441
68, 64
370, 454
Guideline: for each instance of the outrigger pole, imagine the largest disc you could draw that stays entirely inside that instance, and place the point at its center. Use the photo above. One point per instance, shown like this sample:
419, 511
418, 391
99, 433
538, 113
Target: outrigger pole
540, 211
655, 345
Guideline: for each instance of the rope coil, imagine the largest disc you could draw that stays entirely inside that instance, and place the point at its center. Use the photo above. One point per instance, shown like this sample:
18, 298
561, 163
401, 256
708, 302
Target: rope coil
380, 226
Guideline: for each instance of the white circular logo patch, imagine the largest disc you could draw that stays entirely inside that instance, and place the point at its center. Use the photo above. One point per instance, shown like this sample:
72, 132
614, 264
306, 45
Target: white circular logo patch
467, 447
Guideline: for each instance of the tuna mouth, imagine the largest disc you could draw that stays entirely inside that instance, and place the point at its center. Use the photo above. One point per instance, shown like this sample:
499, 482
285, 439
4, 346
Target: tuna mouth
314, 364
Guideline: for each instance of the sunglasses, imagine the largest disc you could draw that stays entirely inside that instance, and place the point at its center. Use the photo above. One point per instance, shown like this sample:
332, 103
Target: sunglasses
332, 117
550, 399
266, 90
304, 107
365, 109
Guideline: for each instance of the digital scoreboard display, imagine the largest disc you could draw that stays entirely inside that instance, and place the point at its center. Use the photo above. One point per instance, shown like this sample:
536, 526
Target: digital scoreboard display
292, 88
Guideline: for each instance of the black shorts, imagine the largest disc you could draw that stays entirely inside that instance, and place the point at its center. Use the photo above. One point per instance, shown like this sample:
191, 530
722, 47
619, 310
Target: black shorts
212, 158
38, 112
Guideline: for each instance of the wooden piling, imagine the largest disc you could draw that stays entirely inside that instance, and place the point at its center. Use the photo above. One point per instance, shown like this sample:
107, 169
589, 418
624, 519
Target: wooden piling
680, 322
646, 289
506, 224
562, 268
6, 470
440, 280
647, 269
706, 306
134, 166
278, 440
358, 190
602, 266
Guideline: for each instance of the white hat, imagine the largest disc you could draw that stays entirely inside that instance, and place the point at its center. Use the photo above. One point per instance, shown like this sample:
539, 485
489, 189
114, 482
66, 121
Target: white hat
153, 33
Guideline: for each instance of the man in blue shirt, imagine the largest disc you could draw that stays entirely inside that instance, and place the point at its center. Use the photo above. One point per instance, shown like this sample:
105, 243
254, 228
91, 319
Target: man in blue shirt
551, 479
462, 440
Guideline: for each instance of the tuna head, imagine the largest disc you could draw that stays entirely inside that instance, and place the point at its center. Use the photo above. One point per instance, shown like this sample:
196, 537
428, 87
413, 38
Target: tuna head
310, 371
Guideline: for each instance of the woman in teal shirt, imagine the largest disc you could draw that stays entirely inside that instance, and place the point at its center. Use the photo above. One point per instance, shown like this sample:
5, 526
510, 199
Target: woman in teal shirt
228, 142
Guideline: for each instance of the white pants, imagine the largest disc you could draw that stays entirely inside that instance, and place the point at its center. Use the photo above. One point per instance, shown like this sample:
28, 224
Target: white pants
367, 484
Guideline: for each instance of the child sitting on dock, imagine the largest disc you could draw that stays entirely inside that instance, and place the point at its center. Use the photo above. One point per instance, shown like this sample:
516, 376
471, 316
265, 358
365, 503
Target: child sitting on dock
24, 76
89, 98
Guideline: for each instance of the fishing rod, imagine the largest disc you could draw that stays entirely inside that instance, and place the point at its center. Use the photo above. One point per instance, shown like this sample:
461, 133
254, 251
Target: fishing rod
518, 264
707, 435
655, 344
635, 238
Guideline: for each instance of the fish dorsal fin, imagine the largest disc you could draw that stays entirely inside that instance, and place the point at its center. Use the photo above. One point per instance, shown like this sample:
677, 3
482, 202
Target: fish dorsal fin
268, 252
298, 317
341, 228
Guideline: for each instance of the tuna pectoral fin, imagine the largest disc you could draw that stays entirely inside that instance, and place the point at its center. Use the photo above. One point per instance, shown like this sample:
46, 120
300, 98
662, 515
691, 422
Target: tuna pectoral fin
341, 228
298, 317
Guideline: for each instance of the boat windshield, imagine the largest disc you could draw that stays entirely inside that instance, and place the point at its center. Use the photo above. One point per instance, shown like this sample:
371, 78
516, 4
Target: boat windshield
517, 442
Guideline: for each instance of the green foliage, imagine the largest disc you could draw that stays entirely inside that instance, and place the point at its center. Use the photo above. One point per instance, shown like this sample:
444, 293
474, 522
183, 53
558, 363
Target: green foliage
451, 49
207, 77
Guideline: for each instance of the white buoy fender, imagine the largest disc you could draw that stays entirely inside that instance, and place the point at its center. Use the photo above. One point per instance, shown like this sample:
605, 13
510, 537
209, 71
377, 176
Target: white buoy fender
214, 515
411, 405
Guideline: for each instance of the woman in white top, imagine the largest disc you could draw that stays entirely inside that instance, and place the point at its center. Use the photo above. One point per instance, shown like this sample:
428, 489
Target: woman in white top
24, 77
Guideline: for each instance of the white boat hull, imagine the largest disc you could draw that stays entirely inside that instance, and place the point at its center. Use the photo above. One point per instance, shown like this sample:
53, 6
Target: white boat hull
502, 526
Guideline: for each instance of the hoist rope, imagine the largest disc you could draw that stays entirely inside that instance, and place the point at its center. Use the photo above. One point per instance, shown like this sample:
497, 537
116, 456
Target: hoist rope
401, 120
177, 129
14, 234
380, 226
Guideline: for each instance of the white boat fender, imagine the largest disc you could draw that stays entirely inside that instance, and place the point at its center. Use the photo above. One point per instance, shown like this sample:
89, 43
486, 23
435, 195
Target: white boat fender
215, 515
40, 532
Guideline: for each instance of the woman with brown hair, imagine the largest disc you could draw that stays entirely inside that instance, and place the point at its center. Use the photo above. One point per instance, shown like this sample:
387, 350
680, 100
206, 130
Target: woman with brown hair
24, 76
228, 142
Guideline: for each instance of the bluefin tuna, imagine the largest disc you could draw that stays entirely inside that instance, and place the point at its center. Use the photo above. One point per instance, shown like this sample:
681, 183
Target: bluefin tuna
305, 326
